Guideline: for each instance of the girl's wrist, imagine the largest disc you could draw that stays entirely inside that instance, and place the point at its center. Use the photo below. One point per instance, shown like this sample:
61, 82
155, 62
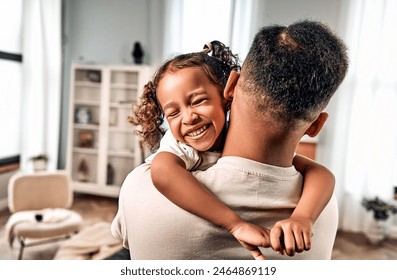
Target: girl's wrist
233, 222
299, 216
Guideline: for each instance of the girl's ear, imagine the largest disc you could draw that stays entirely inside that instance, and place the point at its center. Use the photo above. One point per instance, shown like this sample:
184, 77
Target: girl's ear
228, 93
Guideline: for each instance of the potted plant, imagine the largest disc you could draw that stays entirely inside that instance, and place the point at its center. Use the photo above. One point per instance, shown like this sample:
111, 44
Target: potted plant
381, 209
39, 162
381, 212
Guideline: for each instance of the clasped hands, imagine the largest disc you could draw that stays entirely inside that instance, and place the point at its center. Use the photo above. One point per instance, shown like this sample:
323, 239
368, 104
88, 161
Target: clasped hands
289, 236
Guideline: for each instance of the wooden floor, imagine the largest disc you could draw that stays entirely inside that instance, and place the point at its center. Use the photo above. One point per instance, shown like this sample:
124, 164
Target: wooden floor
348, 246
355, 246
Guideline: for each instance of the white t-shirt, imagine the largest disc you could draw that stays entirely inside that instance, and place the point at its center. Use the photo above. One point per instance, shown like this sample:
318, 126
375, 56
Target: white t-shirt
194, 160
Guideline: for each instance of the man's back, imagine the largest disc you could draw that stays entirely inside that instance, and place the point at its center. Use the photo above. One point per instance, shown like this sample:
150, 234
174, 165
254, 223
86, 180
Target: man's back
261, 194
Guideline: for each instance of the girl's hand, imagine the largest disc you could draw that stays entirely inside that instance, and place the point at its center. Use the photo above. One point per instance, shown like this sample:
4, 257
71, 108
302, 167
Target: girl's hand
291, 236
251, 237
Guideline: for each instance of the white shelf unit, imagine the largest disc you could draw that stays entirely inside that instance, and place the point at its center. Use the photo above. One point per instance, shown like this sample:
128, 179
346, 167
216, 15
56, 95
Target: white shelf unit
102, 146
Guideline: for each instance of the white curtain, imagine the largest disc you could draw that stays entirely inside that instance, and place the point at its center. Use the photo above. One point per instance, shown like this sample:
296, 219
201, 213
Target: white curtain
41, 80
364, 141
244, 25
173, 10
231, 21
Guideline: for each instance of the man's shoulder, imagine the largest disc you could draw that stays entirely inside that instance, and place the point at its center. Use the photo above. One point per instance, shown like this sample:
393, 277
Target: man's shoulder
140, 169
138, 174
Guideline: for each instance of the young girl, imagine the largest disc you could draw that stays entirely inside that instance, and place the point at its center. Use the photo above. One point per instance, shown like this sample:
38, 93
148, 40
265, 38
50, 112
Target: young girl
188, 91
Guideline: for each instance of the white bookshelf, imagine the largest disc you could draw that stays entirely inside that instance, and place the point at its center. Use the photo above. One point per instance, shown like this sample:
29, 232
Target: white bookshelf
101, 135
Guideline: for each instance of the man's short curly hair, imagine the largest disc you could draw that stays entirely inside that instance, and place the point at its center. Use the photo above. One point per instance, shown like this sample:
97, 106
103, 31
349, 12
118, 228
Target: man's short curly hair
291, 72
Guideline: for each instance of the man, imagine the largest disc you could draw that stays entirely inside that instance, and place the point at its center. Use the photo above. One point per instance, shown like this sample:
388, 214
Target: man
286, 81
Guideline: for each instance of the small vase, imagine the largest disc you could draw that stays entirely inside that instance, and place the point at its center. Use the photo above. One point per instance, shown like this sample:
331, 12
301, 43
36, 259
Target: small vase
137, 53
376, 231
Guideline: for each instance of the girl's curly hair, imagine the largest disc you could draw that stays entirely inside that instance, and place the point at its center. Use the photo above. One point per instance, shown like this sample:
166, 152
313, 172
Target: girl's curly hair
148, 114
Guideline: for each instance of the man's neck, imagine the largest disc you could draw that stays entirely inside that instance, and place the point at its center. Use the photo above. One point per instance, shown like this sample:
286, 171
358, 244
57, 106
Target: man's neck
250, 138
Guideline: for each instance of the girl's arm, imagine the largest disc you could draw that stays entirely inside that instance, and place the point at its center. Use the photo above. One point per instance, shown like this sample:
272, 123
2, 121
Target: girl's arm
171, 178
294, 234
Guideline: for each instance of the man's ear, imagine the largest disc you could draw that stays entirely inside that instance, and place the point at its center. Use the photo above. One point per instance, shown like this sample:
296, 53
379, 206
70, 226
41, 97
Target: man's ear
316, 126
228, 93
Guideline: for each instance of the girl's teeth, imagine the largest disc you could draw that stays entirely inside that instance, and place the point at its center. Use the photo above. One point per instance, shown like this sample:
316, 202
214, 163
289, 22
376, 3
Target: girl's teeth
197, 132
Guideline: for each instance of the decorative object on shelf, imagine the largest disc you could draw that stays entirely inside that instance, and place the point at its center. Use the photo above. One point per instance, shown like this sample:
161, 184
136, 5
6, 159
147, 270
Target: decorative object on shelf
83, 171
137, 53
86, 139
83, 115
376, 232
110, 175
94, 76
39, 162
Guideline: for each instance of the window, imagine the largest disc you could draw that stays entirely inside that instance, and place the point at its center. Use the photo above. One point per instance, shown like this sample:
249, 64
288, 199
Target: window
10, 79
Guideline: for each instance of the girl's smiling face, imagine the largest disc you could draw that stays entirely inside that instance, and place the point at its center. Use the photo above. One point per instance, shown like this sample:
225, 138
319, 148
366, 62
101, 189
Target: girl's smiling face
193, 107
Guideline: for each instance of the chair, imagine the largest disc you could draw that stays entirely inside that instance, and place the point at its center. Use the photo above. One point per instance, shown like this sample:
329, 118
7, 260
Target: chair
40, 205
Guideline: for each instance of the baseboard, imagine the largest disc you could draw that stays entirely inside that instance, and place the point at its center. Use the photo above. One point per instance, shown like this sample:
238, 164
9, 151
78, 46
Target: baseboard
3, 204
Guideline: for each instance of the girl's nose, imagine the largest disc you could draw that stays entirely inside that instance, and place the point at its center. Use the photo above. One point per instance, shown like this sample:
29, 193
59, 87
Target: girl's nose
189, 117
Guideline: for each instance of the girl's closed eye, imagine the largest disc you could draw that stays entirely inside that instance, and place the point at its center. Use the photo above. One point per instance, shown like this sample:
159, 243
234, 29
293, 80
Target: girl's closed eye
172, 113
199, 101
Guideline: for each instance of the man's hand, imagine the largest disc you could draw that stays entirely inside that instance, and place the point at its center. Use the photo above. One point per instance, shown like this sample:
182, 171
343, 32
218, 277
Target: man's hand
291, 236
251, 237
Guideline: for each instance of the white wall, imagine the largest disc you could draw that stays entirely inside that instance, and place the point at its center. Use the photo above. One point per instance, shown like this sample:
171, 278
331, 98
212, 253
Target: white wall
287, 11
102, 31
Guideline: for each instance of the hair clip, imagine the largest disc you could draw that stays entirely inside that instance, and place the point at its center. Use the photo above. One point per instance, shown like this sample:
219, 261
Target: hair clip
207, 48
